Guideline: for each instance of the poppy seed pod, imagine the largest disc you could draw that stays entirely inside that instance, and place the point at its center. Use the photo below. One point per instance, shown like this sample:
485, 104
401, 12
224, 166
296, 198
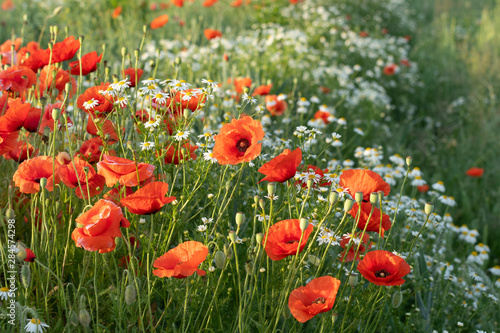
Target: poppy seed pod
309, 183
56, 113
408, 160
304, 223
271, 189
262, 204
333, 197
130, 294
232, 236
240, 218
358, 196
256, 198
43, 182
259, 237
353, 280
228, 185
374, 198
220, 259
348, 203
429, 207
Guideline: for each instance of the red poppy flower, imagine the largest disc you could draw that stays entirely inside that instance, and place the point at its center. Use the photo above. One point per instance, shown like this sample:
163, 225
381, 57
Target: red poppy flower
32, 120
17, 79
159, 22
262, 90
241, 82
36, 60
374, 222
90, 150
8, 141
6, 46
352, 242
390, 69
92, 102
282, 167
179, 103
315, 297
366, 181
212, 33
209, 3
182, 261
74, 176
148, 199
116, 12
59, 83
131, 74
64, 50
28, 174
314, 173
8, 5
118, 193
178, 3
174, 156
107, 127
237, 142
275, 106
423, 188
14, 116
126, 172
405, 62
89, 64
21, 152
363, 34
475, 172
284, 237
21, 55
383, 268
48, 121
101, 225
236, 3
323, 115
30, 256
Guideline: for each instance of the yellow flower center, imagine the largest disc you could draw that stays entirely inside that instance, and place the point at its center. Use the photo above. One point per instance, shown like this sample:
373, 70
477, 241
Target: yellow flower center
35, 321
4, 289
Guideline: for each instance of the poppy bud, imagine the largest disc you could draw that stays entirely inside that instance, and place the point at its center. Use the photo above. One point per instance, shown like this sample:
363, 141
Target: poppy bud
136, 53
259, 237
429, 207
353, 280
187, 113
228, 251
262, 204
304, 223
144, 28
228, 185
25, 19
358, 196
107, 70
380, 195
348, 203
309, 183
26, 276
256, 198
151, 63
220, 259
397, 298
240, 218
246, 89
10, 214
84, 318
73, 318
232, 236
271, 189
56, 113
21, 254
43, 182
373, 198
130, 294
248, 267
177, 61
67, 87
314, 260
124, 51
333, 197
408, 160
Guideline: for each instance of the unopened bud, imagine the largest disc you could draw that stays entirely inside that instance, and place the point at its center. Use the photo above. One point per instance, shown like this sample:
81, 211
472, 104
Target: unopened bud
228, 185
303, 223
333, 197
314, 260
232, 236
353, 280
10, 214
240, 219
373, 198
228, 251
408, 160
26, 276
429, 208
309, 183
130, 294
177, 61
56, 113
259, 238
186, 113
136, 53
43, 182
73, 318
397, 298
220, 259
124, 51
271, 189
348, 203
84, 318
262, 204
358, 196
256, 198
21, 254
246, 89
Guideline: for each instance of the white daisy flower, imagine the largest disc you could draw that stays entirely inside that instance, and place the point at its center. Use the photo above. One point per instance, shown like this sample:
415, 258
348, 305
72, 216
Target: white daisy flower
5, 293
153, 123
202, 228
122, 101
90, 104
206, 220
209, 156
179, 136
109, 92
35, 326
148, 145
449, 201
121, 85
439, 186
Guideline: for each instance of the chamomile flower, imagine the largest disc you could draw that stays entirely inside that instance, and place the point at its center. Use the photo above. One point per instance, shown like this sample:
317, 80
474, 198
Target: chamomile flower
90, 104
439, 186
109, 92
122, 101
249, 99
359, 131
5, 293
202, 228
337, 143
207, 220
148, 145
209, 83
209, 156
150, 89
418, 181
182, 135
160, 97
153, 122
150, 81
121, 85
271, 197
35, 326
449, 201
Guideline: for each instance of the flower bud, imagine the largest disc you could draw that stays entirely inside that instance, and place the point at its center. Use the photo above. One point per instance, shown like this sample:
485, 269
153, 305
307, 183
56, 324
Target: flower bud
136, 53
271, 189
333, 197
246, 89
124, 51
248, 267
21, 254
84, 318
73, 319
397, 298
429, 208
228, 185
348, 203
358, 196
353, 280
408, 160
304, 223
232, 236
240, 219
10, 214
262, 204
56, 113
43, 182
373, 198
259, 237
309, 183
220, 259
177, 61
187, 113
228, 251
130, 294
256, 198
314, 260
26, 276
